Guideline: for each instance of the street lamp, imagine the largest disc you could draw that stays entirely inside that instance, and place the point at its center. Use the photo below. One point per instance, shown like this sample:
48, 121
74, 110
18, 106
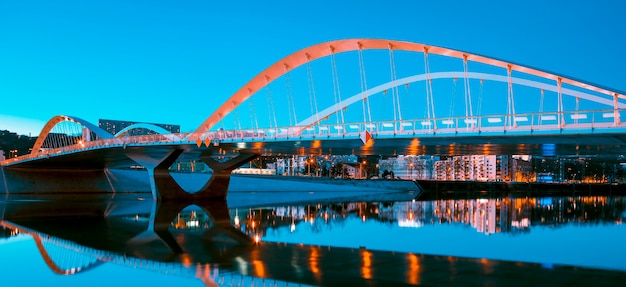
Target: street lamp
364, 172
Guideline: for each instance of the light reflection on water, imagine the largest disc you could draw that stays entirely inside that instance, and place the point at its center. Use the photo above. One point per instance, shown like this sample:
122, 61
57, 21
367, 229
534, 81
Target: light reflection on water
580, 231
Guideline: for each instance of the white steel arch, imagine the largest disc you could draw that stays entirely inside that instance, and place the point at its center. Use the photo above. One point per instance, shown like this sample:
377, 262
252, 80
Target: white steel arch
314, 119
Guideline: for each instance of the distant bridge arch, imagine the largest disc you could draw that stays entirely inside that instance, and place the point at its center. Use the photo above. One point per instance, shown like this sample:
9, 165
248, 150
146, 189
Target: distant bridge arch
148, 126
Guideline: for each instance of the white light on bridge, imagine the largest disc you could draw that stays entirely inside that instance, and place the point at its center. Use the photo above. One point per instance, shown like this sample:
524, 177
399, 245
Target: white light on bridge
548, 118
355, 127
470, 121
608, 115
578, 116
338, 127
323, 128
405, 124
494, 120
426, 123
388, 125
447, 122
520, 119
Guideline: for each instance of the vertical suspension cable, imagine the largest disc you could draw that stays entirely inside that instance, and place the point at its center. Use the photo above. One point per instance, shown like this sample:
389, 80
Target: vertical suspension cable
510, 98
561, 120
453, 100
394, 88
270, 105
291, 104
541, 107
616, 115
336, 89
311, 85
480, 98
63, 134
366, 102
429, 90
576, 113
393, 82
468, 92
236, 121
254, 121
59, 134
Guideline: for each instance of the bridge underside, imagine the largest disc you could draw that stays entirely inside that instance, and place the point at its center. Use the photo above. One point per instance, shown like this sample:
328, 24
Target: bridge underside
123, 169
537, 144
103, 170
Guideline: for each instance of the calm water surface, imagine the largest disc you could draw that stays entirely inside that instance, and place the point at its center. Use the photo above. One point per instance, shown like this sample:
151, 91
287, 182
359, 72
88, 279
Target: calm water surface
494, 241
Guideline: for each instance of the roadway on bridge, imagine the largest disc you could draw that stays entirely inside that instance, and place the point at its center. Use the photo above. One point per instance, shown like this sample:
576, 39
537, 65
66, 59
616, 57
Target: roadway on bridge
538, 144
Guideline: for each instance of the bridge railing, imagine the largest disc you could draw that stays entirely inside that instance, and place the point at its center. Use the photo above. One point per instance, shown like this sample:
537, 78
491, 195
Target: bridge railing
102, 143
547, 122
524, 123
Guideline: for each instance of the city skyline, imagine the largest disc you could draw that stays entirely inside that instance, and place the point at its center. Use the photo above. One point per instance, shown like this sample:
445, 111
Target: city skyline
163, 62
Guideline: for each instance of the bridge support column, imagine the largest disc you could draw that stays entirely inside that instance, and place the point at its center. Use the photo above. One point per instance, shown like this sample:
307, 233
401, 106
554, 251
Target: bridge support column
217, 186
162, 185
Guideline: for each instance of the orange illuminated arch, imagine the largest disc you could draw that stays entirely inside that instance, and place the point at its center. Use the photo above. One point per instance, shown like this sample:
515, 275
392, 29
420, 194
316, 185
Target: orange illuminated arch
339, 46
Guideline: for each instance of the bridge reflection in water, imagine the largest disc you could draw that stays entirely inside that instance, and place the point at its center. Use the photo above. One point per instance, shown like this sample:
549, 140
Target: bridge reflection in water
206, 240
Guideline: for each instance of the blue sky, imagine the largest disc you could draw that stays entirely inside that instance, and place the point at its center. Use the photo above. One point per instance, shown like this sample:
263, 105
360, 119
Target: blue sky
176, 61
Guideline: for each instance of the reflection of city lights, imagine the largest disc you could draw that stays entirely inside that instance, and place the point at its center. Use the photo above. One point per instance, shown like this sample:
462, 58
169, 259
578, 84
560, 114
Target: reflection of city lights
186, 260
237, 221
414, 269
366, 268
487, 216
313, 261
257, 238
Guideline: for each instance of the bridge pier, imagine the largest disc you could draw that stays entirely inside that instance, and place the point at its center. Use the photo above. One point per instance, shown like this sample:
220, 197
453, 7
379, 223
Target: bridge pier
217, 186
164, 187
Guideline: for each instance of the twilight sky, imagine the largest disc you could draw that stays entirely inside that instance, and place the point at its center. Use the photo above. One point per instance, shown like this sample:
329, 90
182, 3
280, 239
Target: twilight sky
176, 61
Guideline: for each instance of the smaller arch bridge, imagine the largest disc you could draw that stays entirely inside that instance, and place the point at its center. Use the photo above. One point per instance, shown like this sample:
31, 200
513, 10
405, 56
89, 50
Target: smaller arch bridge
62, 131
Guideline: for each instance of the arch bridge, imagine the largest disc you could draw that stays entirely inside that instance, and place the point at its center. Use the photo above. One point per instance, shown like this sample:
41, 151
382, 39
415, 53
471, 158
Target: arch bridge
365, 97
